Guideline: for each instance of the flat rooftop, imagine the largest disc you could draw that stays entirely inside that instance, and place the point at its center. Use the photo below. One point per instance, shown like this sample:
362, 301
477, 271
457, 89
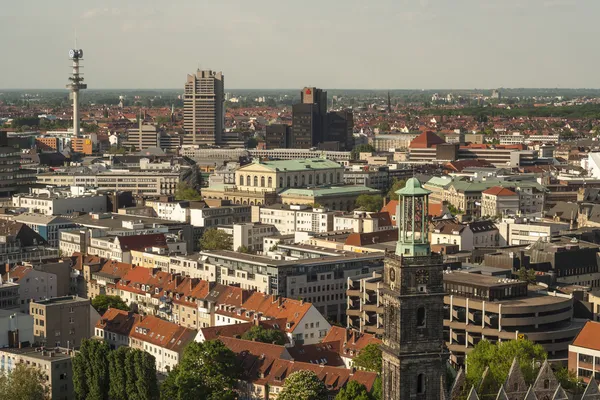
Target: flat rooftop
62, 300
40, 353
479, 280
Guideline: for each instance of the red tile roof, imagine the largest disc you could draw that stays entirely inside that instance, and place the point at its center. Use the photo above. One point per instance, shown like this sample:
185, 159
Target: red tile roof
499, 191
426, 140
350, 342
162, 333
390, 208
588, 336
290, 310
117, 321
17, 273
234, 330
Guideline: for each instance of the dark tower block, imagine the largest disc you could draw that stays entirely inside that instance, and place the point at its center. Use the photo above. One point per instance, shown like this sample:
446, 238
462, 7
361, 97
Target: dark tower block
414, 356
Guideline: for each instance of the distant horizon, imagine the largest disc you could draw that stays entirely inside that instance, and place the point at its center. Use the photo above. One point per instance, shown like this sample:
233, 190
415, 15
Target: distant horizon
321, 87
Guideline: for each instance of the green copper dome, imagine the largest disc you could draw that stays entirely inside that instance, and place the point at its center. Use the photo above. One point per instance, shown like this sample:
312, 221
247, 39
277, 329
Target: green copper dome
412, 188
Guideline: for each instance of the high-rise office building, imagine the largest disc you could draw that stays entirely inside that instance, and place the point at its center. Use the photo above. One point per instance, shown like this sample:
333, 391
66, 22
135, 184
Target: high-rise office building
340, 127
277, 136
10, 163
309, 118
203, 108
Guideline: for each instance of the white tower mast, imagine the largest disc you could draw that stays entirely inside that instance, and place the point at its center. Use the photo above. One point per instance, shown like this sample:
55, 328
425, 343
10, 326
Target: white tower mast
76, 84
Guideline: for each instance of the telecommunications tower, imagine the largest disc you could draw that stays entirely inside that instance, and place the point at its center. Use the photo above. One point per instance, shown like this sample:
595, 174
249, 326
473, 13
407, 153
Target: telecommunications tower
76, 85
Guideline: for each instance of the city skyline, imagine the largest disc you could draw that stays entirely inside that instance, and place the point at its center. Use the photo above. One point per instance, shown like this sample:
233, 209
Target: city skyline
383, 44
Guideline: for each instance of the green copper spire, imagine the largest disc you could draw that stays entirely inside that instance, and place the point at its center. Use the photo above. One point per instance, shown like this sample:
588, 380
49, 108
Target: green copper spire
413, 209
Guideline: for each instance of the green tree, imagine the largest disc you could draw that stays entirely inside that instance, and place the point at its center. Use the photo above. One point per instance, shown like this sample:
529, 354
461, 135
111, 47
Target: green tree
23, 383
526, 275
303, 385
103, 302
499, 357
168, 387
215, 239
369, 358
90, 371
263, 335
243, 249
130, 376
186, 192
569, 381
145, 374
369, 202
376, 390
117, 389
353, 391
207, 370
397, 184
361, 148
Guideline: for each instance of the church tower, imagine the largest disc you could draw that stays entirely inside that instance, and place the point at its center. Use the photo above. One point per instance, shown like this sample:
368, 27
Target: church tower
414, 356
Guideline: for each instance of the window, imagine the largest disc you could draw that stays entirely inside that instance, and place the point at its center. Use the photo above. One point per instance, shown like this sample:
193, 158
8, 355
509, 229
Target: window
420, 384
421, 317
546, 384
270, 182
262, 181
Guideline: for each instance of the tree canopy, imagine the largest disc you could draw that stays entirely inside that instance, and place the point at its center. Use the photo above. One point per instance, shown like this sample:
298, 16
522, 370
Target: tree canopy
23, 383
186, 192
303, 385
206, 371
369, 202
122, 374
369, 358
263, 335
499, 357
215, 239
526, 275
361, 148
397, 184
354, 391
103, 302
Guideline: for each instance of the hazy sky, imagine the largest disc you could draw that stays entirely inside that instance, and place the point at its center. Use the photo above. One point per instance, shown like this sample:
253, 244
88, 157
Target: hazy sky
293, 43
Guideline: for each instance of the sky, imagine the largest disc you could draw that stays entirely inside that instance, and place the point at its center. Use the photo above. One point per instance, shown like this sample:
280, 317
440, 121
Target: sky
335, 44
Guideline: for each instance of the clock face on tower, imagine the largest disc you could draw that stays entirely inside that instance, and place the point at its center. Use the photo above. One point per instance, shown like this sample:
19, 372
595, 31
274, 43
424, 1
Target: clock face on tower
422, 277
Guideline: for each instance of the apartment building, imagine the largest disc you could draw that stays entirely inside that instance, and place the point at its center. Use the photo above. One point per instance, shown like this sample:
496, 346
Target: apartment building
363, 222
319, 276
19, 243
17, 329
300, 320
50, 202
223, 215
54, 363
365, 310
9, 296
163, 339
467, 236
498, 200
523, 231
63, 321
47, 226
584, 353
190, 265
34, 285
295, 218
249, 235
155, 183
119, 248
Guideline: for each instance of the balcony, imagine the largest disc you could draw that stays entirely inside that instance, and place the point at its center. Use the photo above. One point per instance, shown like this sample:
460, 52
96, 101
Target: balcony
353, 312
